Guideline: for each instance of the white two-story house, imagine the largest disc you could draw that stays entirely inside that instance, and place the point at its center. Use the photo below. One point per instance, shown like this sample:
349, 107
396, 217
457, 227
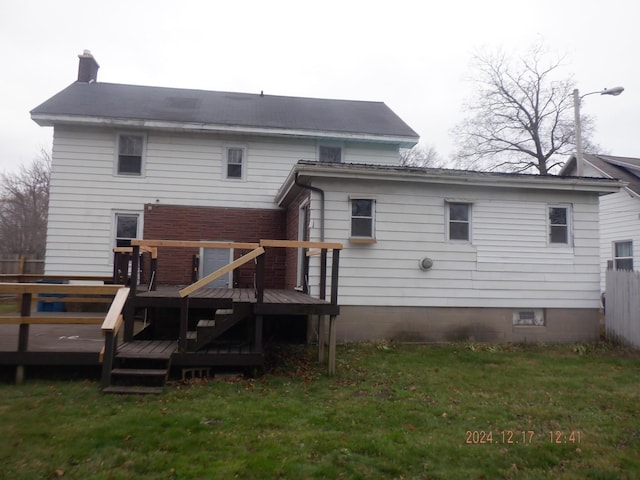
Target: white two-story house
429, 255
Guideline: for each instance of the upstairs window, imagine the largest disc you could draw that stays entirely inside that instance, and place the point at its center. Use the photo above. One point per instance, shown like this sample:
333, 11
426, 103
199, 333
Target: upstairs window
130, 152
235, 158
362, 218
623, 255
330, 154
559, 225
126, 229
459, 221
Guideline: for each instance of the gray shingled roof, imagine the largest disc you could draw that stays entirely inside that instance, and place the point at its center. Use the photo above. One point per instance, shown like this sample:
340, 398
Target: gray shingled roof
626, 169
132, 102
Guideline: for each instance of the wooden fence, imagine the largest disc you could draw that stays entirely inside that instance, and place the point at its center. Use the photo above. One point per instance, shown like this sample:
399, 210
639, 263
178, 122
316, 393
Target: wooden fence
622, 312
20, 266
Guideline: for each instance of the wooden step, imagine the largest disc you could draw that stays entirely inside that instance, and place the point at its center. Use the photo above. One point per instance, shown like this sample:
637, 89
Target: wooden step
133, 390
143, 372
224, 311
206, 324
151, 349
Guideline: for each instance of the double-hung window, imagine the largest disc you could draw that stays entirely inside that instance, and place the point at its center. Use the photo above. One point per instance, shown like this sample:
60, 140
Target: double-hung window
235, 158
458, 221
559, 225
363, 218
130, 154
623, 255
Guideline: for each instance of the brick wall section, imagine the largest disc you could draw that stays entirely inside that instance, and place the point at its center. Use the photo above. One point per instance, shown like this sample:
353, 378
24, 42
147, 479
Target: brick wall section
175, 222
293, 212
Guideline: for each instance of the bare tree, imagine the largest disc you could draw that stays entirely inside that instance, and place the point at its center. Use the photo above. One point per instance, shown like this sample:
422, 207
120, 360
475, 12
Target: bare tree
24, 204
421, 156
521, 117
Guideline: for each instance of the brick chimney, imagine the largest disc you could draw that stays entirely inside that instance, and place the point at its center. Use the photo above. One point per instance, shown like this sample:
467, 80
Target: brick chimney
87, 68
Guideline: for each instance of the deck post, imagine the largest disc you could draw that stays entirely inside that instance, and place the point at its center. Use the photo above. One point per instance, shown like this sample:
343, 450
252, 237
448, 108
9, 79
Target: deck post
332, 345
335, 262
321, 336
260, 278
184, 324
109, 354
23, 335
323, 273
130, 308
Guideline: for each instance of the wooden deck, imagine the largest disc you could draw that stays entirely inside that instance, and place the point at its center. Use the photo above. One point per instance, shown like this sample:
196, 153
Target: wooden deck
275, 302
74, 344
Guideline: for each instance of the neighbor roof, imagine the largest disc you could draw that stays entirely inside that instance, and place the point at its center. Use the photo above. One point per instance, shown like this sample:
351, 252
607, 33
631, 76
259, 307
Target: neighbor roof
147, 107
626, 169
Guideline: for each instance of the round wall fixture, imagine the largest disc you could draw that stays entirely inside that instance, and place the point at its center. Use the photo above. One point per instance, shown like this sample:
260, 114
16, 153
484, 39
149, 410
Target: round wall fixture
425, 264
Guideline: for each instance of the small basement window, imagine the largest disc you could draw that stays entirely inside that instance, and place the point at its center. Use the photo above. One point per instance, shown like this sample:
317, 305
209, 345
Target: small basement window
528, 318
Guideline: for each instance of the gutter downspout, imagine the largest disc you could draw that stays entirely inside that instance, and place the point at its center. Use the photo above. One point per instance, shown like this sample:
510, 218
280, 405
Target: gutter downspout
321, 192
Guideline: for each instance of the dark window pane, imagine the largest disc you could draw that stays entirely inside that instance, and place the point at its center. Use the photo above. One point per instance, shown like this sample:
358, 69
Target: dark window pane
129, 165
623, 249
234, 171
130, 145
458, 231
330, 154
559, 234
558, 216
459, 211
624, 264
123, 242
361, 208
361, 227
127, 226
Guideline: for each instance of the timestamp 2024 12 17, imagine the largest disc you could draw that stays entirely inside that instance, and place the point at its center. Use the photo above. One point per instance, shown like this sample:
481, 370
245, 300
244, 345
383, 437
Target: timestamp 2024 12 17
526, 437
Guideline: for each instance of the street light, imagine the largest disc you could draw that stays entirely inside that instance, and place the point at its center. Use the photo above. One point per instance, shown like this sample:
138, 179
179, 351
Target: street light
615, 91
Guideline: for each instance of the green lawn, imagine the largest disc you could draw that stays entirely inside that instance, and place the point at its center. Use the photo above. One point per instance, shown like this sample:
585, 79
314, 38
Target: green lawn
392, 411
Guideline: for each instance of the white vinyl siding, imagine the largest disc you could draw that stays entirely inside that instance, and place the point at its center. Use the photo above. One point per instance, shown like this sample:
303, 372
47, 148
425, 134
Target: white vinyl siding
179, 169
619, 221
509, 264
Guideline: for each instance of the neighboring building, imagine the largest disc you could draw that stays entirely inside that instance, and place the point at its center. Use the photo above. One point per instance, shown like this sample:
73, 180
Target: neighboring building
619, 212
429, 254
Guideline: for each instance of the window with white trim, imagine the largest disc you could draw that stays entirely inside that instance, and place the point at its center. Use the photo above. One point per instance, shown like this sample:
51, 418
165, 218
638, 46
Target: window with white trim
235, 160
363, 218
559, 225
330, 153
458, 221
623, 255
130, 154
126, 228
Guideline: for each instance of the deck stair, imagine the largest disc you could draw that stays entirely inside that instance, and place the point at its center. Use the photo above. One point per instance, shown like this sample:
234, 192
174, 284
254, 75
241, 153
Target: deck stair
141, 367
208, 330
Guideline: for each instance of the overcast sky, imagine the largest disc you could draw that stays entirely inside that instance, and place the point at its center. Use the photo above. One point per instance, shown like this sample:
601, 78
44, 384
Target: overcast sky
412, 55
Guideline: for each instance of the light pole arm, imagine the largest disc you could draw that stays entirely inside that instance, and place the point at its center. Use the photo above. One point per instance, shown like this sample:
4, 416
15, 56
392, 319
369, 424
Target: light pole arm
576, 113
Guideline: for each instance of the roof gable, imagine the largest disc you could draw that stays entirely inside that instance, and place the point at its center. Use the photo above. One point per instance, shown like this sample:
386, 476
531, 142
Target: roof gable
626, 169
226, 111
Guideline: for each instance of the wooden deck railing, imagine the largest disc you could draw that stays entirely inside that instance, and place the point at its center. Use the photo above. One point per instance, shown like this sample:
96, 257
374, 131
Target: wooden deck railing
110, 328
29, 293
